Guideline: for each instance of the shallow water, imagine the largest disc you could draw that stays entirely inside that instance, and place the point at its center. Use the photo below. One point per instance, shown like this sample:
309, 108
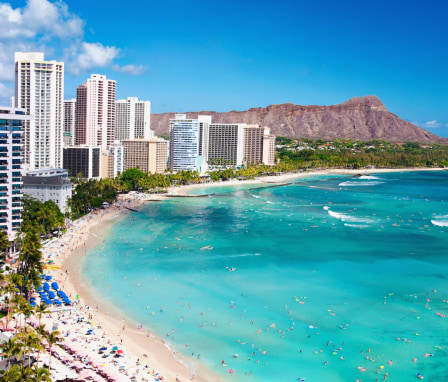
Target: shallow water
325, 269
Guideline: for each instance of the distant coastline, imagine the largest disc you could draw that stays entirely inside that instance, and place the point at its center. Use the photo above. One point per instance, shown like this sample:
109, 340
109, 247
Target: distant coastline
183, 190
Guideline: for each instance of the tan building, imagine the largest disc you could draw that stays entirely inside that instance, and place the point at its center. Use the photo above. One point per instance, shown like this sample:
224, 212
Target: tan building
148, 155
259, 145
107, 165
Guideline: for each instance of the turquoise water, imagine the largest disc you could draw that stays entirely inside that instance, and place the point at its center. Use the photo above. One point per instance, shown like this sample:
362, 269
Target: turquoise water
325, 270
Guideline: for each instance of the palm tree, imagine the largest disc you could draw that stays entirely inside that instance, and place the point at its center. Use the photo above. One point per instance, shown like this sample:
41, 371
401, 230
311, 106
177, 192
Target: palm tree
4, 243
14, 374
41, 374
10, 290
30, 342
40, 310
52, 338
9, 348
42, 333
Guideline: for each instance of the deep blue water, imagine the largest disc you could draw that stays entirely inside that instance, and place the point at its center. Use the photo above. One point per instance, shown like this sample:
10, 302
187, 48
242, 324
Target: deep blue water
325, 269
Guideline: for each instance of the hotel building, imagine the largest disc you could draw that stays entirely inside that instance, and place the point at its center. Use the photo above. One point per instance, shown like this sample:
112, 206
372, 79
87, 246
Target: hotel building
69, 122
39, 89
132, 119
148, 155
12, 122
84, 160
49, 184
95, 112
259, 145
224, 145
184, 144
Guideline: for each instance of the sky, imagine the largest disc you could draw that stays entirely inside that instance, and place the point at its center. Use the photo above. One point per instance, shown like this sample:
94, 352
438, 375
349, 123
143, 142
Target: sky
197, 55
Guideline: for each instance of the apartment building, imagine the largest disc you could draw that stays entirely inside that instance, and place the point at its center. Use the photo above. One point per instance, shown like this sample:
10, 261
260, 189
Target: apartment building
132, 119
12, 126
95, 112
39, 89
69, 122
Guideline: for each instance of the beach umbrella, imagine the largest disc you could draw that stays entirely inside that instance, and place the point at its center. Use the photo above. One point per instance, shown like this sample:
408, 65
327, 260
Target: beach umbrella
32, 303
48, 277
103, 348
119, 351
40, 289
115, 348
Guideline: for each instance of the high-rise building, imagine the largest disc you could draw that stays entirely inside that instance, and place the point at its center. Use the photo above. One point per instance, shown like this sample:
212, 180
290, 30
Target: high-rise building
184, 144
148, 155
12, 123
84, 160
224, 145
69, 122
259, 145
95, 112
39, 89
132, 119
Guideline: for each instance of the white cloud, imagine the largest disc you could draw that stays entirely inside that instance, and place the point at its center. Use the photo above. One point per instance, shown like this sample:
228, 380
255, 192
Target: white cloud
133, 70
38, 18
93, 56
48, 26
434, 124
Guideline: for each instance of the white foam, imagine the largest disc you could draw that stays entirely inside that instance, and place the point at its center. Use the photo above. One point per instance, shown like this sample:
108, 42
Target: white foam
368, 177
361, 184
326, 208
348, 218
355, 225
256, 196
440, 223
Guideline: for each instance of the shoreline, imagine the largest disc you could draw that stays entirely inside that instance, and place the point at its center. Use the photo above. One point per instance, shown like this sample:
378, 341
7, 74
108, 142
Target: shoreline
140, 349
87, 232
181, 190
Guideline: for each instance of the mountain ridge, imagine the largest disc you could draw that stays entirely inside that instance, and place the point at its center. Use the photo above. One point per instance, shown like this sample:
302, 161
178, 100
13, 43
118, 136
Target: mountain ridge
359, 118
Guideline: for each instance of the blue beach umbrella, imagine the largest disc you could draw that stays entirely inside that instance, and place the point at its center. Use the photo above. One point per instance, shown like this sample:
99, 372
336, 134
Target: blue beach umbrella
47, 277
115, 348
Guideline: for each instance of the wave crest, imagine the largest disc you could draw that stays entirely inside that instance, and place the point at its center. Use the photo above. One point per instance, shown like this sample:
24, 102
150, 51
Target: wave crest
361, 184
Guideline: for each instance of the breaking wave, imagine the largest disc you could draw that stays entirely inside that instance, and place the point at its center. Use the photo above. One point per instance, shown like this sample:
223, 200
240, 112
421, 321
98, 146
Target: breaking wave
356, 184
440, 223
346, 217
368, 177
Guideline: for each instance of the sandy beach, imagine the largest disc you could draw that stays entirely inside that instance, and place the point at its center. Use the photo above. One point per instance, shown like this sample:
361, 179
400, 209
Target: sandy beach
144, 357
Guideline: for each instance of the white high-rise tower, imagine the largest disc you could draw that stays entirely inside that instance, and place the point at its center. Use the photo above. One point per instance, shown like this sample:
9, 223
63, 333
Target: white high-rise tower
95, 112
39, 89
132, 119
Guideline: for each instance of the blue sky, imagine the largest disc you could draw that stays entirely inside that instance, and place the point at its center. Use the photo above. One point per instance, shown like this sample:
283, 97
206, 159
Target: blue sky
194, 55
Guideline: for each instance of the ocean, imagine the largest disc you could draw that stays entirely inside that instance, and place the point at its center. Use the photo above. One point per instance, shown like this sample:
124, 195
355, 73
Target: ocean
331, 278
